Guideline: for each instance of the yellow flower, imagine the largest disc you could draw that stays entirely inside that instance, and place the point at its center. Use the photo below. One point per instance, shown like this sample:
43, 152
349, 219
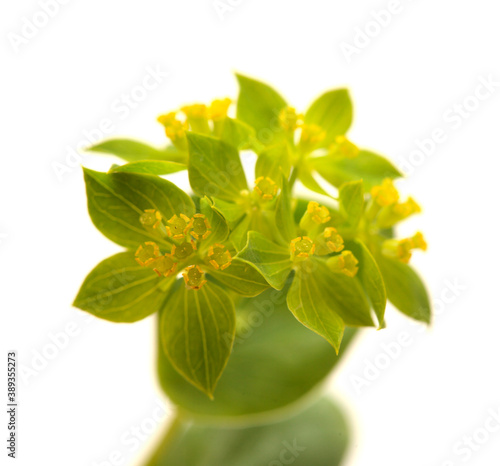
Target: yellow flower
178, 226
345, 263
386, 194
302, 247
194, 277
200, 227
219, 256
266, 187
218, 109
329, 241
164, 265
402, 249
174, 128
146, 253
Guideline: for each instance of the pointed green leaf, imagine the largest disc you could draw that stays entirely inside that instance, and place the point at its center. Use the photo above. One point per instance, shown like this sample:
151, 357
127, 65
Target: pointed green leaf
323, 301
151, 167
405, 289
117, 200
370, 277
219, 227
310, 308
133, 151
241, 278
271, 260
331, 111
275, 362
120, 290
307, 179
215, 168
273, 162
231, 211
369, 167
317, 436
284, 216
239, 233
351, 201
193, 326
238, 134
259, 106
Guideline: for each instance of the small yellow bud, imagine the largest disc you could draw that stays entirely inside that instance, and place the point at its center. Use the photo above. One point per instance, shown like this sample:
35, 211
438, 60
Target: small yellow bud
289, 119
200, 228
343, 147
218, 109
315, 215
329, 241
311, 135
302, 247
178, 226
419, 242
395, 213
194, 277
219, 256
146, 253
183, 250
385, 194
150, 218
399, 249
174, 128
407, 208
345, 263
266, 187
164, 265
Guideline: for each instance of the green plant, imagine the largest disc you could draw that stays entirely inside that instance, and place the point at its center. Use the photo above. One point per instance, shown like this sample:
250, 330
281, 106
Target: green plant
229, 267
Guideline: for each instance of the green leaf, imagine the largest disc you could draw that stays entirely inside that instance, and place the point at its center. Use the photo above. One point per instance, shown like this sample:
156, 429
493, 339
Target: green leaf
116, 201
331, 111
237, 134
151, 167
273, 162
370, 277
120, 290
324, 301
231, 211
218, 224
317, 436
369, 167
133, 151
270, 259
241, 278
284, 216
275, 362
259, 106
405, 289
215, 168
307, 179
351, 201
193, 326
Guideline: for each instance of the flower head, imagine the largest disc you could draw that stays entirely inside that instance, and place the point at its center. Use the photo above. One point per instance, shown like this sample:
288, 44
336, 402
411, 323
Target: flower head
194, 277
146, 253
266, 187
219, 256
386, 194
345, 263
200, 227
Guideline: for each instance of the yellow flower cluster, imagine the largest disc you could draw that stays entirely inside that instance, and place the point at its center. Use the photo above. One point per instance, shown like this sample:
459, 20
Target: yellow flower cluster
184, 233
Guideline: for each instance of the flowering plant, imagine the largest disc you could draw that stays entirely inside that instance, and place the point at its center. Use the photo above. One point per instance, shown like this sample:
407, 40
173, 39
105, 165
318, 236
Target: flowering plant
202, 260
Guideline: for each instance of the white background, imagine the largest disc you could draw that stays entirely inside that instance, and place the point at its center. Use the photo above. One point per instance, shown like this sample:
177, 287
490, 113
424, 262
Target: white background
65, 80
